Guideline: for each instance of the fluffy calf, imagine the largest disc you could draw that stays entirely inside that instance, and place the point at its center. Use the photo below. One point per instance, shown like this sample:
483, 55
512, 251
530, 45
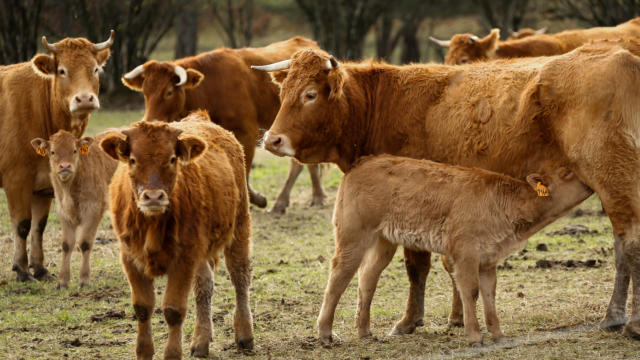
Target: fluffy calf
475, 217
80, 174
179, 198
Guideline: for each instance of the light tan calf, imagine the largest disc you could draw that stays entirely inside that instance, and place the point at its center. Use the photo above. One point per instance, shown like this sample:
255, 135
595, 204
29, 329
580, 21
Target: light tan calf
80, 174
473, 216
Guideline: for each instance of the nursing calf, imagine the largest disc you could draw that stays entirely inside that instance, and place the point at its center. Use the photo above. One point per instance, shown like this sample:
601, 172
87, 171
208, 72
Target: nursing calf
179, 198
80, 174
473, 216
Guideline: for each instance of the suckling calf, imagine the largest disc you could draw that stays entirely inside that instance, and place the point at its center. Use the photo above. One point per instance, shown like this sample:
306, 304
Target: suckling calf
473, 216
80, 174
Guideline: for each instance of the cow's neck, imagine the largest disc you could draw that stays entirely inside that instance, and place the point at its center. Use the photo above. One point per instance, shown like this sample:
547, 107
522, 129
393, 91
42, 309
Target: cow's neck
62, 119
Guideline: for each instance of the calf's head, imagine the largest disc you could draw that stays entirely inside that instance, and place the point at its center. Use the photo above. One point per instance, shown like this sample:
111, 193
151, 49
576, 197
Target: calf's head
561, 186
64, 151
153, 153
309, 121
163, 85
466, 48
74, 65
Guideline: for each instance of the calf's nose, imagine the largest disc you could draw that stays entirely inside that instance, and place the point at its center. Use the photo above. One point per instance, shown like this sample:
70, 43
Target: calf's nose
153, 195
64, 166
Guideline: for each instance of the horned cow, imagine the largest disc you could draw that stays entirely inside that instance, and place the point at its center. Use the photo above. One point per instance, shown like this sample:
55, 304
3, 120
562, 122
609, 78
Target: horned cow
237, 99
178, 199
38, 98
506, 116
80, 174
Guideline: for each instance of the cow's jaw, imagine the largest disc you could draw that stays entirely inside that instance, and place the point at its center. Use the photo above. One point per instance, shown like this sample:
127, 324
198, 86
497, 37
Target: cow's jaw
278, 144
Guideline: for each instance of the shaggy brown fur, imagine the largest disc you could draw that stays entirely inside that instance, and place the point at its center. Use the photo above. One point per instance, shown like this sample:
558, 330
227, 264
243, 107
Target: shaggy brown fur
178, 199
466, 48
238, 99
505, 116
475, 217
80, 174
38, 98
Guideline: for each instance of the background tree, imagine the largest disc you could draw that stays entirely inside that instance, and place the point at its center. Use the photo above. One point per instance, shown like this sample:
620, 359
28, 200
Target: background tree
596, 12
504, 14
236, 20
19, 30
407, 16
187, 24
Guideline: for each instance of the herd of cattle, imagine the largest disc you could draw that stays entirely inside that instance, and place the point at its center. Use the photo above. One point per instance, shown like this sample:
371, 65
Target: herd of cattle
479, 157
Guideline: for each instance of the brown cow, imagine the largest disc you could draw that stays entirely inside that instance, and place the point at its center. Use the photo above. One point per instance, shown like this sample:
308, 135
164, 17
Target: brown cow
465, 48
38, 98
474, 216
237, 99
80, 174
505, 116
178, 199
525, 32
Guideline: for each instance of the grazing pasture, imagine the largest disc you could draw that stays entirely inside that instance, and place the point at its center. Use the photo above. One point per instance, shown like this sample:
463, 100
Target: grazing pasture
550, 297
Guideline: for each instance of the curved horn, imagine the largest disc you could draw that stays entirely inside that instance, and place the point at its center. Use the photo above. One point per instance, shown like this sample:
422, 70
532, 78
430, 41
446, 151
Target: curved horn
182, 74
134, 73
50, 47
513, 33
332, 63
105, 44
443, 43
280, 65
541, 30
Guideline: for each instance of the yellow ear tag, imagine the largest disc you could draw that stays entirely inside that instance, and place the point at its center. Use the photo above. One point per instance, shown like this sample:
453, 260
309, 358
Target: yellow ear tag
542, 190
42, 152
84, 149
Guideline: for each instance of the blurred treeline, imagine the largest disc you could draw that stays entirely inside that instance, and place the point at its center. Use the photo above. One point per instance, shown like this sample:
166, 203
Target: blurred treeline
393, 30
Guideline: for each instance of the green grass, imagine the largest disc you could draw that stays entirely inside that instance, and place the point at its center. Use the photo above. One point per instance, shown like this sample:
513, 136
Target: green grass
291, 255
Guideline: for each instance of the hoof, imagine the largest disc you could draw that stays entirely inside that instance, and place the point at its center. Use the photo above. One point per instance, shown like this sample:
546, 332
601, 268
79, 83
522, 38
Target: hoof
404, 328
455, 322
476, 344
200, 351
632, 330
364, 334
501, 340
278, 209
245, 344
24, 276
62, 286
258, 200
43, 274
613, 325
317, 201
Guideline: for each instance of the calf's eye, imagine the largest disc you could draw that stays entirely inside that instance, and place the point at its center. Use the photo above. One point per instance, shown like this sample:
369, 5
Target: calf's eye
173, 160
132, 161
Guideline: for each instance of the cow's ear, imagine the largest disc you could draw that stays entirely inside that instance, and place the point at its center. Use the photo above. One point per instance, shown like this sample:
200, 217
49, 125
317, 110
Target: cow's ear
134, 83
116, 146
194, 78
40, 146
84, 144
538, 183
490, 42
278, 76
189, 148
44, 65
102, 56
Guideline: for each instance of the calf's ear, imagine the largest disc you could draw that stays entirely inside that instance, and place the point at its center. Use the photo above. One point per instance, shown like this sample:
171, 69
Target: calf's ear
189, 148
490, 42
538, 184
40, 146
134, 82
194, 78
116, 146
44, 65
84, 144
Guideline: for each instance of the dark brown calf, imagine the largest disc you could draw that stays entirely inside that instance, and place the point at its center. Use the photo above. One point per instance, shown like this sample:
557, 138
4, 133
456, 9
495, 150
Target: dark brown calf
178, 199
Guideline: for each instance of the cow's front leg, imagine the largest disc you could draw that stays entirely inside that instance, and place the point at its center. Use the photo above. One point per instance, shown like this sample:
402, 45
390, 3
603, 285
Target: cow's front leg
418, 264
237, 259
68, 243
174, 306
616, 312
19, 190
318, 194
86, 236
203, 332
282, 202
143, 299
39, 214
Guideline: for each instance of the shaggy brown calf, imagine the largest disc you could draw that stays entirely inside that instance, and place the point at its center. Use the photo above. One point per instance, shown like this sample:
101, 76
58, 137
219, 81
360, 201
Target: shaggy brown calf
238, 99
80, 174
55, 91
465, 48
474, 216
178, 199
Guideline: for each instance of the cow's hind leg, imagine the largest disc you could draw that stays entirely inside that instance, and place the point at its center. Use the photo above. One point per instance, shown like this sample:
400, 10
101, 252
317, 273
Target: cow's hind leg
318, 194
203, 332
375, 261
237, 259
143, 299
282, 202
19, 194
466, 272
39, 214
455, 317
488, 292
616, 312
417, 264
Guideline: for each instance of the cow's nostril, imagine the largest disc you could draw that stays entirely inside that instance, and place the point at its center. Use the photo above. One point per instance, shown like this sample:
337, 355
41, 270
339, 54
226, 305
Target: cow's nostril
78, 99
90, 98
277, 141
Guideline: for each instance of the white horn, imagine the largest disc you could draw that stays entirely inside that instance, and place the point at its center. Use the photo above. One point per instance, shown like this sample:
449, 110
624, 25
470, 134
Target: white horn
134, 73
182, 74
105, 44
442, 43
280, 65
332, 63
50, 47
541, 31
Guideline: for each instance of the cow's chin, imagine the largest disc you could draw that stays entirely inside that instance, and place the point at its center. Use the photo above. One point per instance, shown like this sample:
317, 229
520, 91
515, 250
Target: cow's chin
151, 210
65, 176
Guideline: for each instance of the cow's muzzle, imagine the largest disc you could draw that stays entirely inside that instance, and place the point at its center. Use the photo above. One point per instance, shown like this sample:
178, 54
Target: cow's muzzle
153, 202
84, 103
65, 171
278, 144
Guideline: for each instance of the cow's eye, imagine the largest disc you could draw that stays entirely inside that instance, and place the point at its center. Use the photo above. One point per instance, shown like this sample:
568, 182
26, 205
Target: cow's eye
132, 161
310, 96
62, 72
464, 60
169, 92
53, 152
173, 160
75, 151
95, 71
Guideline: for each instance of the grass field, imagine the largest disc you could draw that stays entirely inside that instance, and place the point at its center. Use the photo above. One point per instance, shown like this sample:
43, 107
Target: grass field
549, 313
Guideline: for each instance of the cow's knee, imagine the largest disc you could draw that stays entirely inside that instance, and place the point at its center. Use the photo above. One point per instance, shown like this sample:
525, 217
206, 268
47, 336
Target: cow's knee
142, 312
42, 224
23, 228
173, 317
85, 246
